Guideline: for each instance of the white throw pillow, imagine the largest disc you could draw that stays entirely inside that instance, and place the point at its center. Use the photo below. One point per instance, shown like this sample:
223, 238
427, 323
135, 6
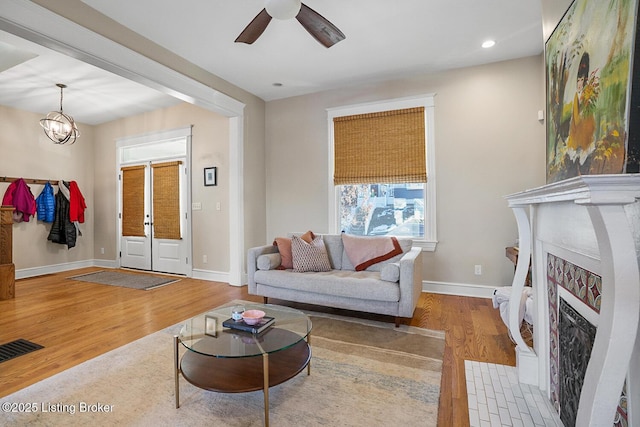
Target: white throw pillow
269, 261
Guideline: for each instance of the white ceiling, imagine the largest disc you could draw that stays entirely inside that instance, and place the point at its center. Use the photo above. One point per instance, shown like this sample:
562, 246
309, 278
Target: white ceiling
383, 41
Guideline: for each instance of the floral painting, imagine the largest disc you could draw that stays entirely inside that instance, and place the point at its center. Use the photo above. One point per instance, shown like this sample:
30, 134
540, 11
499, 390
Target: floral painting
589, 62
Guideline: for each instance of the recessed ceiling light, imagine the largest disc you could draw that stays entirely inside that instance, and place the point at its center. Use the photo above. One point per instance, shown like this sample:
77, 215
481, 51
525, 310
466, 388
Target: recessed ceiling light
489, 43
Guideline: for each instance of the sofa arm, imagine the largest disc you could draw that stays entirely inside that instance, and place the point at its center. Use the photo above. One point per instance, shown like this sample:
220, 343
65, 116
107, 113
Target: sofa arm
410, 281
252, 263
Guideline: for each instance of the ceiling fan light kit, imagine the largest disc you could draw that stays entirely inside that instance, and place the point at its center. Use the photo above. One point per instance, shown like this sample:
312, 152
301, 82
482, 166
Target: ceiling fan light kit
319, 27
58, 126
283, 9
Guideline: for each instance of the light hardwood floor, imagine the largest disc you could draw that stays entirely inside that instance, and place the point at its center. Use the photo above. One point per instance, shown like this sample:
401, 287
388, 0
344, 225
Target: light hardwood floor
76, 321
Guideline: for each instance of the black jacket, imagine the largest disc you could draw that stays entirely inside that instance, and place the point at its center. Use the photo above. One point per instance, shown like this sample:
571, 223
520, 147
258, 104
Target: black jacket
62, 230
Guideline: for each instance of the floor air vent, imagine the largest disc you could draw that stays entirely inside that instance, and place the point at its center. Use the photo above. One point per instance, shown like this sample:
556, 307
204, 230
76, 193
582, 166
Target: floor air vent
17, 348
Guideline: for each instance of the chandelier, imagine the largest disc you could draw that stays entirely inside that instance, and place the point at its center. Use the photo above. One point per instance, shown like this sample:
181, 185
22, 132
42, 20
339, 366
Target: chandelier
58, 126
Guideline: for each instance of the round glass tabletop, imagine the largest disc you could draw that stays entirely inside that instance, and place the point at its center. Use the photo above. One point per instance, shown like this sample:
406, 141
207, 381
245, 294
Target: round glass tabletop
206, 334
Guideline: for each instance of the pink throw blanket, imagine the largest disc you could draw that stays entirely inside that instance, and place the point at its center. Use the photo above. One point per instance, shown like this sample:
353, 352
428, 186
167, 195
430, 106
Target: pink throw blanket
364, 251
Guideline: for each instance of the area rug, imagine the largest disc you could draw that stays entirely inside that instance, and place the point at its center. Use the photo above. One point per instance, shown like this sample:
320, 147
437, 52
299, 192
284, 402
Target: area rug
127, 280
363, 373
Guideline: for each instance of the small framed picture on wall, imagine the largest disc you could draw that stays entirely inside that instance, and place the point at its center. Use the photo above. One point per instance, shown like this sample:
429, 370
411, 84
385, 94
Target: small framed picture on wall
211, 176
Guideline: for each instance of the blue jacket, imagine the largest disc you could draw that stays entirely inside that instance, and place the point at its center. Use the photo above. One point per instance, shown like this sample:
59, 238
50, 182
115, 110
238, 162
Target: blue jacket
46, 204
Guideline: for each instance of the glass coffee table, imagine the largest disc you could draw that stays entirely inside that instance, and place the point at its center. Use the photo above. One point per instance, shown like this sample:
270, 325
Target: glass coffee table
231, 361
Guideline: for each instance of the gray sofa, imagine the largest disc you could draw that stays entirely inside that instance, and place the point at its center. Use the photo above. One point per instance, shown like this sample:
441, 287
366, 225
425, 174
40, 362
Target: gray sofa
390, 287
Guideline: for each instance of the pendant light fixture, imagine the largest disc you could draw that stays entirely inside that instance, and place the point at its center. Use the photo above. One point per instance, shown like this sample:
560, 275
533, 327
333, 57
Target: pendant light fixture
58, 126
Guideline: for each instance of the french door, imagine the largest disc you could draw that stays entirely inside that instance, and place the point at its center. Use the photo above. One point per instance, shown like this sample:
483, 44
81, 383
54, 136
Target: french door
153, 216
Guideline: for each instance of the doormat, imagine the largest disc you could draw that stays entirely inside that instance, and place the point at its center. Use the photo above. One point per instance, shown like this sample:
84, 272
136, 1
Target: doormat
17, 348
127, 280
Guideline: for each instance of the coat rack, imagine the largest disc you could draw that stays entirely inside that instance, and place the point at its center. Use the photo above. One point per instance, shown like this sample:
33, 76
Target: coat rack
30, 180
7, 268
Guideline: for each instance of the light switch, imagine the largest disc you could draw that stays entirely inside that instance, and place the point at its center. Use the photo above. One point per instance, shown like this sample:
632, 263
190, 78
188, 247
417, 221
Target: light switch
196, 206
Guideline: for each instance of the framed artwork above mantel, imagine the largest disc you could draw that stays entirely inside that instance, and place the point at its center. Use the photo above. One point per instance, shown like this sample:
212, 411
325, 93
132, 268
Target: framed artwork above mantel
592, 93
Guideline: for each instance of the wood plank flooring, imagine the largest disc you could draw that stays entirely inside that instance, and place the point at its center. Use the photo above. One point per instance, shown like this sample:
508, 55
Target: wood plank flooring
77, 321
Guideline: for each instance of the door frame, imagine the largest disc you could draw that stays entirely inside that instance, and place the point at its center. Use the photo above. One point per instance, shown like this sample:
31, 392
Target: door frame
149, 139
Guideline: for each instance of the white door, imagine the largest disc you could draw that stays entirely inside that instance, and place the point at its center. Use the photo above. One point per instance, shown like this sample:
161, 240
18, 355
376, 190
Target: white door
169, 247
154, 217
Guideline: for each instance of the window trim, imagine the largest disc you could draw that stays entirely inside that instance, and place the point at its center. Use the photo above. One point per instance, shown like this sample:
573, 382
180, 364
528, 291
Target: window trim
428, 102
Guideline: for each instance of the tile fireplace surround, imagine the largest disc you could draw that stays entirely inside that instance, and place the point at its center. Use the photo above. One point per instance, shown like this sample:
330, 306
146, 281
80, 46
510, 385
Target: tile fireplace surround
583, 234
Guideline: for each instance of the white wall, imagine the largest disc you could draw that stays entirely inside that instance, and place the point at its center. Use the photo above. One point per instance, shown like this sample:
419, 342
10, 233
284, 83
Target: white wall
489, 143
252, 152
28, 153
210, 147
91, 162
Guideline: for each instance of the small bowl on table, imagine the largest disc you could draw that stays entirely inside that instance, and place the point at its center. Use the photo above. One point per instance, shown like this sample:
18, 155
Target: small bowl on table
252, 317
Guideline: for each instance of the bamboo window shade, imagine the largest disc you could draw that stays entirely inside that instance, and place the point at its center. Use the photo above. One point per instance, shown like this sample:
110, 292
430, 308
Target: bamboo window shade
133, 200
166, 200
381, 147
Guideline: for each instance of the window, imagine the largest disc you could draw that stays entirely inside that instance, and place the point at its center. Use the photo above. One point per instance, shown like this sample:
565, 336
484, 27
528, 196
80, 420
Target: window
395, 206
379, 209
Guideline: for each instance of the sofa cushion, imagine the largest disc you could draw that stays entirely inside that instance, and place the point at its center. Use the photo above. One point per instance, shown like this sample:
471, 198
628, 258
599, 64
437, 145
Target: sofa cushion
361, 285
268, 261
333, 243
390, 272
284, 247
309, 256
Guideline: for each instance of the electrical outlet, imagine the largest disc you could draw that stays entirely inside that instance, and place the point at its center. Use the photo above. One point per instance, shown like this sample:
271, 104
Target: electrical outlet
204, 259
478, 270
102, 251
218, 206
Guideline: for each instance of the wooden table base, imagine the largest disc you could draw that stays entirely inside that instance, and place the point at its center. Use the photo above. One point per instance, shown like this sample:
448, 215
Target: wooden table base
241, 374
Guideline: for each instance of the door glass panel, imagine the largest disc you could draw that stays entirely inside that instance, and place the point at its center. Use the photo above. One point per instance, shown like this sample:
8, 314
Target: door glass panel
132, 202
166, 200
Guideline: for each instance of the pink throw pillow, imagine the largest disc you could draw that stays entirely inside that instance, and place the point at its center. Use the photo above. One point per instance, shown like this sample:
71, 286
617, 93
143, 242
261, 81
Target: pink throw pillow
284, 247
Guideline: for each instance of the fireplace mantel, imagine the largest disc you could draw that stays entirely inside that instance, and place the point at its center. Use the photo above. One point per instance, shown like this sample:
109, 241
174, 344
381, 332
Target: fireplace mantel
615, 352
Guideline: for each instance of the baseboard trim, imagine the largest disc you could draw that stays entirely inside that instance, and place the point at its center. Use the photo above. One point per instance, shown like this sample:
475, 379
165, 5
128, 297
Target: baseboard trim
460, 289
24, 273
211, 276
105, 263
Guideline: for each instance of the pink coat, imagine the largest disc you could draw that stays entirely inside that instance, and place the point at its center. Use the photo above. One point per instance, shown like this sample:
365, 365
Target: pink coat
20, 197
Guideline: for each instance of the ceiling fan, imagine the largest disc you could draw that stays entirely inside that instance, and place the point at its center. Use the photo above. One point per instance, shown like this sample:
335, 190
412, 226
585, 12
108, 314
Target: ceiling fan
322, 30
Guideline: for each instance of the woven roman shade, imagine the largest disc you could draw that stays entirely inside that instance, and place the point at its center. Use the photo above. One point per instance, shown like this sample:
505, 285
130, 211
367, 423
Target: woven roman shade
133, 201
382, 147
166, 200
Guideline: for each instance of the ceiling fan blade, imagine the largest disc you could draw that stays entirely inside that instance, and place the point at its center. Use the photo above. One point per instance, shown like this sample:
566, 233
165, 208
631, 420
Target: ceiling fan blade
255, 28
321, 29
